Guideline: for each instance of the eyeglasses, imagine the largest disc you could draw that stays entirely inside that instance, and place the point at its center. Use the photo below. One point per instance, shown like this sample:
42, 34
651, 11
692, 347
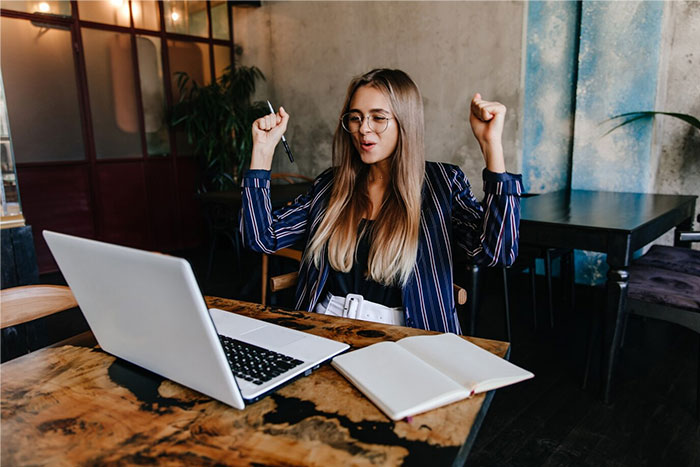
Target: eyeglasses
377, 122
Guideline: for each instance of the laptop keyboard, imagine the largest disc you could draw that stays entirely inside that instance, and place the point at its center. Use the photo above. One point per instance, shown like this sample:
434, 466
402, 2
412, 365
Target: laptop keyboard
255, 364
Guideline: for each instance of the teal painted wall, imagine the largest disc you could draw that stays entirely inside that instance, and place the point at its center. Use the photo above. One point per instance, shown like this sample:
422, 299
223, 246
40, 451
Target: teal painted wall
587, 61
618, 68
550, 84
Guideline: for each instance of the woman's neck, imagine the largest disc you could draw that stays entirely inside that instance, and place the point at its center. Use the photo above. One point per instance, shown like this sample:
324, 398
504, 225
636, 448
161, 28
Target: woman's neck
377, 182
379, 173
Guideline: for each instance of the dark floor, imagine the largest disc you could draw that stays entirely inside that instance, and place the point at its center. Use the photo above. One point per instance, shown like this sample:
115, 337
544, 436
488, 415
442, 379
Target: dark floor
550, 420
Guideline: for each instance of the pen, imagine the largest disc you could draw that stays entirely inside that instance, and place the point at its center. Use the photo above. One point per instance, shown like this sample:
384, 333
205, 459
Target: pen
284, 140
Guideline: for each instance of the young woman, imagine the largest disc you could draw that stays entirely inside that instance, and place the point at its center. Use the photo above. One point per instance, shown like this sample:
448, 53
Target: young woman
379, 225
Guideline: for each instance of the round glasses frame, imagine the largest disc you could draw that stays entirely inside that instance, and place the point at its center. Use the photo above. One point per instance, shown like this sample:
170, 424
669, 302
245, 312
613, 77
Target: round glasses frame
372, 122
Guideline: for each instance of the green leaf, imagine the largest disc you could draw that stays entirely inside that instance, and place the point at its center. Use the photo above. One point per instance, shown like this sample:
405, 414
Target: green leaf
217, 120
633, 116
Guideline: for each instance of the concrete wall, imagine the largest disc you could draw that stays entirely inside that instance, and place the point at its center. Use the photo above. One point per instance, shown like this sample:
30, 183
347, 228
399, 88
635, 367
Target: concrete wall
676, 154
309, 51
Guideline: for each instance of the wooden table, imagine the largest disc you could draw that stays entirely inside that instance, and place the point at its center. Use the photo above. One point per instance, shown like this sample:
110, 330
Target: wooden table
74, 405
617, 224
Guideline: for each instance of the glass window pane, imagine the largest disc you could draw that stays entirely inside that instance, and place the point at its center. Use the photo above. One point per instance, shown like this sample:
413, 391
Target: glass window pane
9, 192
219, 20
153, 95
187, 17
192, 58
110, 74
39, 74
146, 14
55, 7
109, 12
222, 59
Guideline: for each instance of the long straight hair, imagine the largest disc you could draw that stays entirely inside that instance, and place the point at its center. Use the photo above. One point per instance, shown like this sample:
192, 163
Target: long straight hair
394, 235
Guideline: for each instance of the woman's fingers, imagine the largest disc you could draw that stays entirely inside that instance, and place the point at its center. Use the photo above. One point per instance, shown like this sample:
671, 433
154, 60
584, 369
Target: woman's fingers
269, 121
282, 118
486, 110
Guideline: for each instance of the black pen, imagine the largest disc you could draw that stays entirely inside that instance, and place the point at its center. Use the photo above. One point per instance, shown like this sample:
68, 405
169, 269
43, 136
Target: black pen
284, 140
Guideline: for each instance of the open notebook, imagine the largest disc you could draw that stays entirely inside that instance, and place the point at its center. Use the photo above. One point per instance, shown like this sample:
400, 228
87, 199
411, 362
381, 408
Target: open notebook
420, 373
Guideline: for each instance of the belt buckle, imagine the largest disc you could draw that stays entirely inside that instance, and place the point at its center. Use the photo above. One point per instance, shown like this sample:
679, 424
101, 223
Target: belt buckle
353, 305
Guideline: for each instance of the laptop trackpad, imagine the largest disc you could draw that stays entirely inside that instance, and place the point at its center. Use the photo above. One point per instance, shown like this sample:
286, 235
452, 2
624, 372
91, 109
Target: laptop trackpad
271, 337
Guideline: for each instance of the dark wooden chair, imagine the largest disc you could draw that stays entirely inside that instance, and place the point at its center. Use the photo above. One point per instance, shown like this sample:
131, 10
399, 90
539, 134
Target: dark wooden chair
664, 284
526, 260
284, 281
279, 282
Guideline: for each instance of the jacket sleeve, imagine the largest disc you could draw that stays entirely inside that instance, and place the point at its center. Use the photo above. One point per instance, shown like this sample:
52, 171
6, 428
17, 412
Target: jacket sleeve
487, 230
264, 230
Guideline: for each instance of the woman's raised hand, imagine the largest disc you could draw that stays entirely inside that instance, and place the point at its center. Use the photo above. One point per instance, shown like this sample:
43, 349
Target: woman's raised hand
486, 119
267, 132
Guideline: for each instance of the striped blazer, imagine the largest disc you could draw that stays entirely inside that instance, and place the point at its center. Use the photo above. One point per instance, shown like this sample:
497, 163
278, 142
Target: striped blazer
486, 231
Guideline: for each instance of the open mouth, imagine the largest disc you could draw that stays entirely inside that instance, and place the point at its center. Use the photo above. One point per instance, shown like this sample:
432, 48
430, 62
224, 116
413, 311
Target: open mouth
367, 146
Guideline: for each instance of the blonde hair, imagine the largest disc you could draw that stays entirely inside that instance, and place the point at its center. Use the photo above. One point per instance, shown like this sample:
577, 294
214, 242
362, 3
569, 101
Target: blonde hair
394, 235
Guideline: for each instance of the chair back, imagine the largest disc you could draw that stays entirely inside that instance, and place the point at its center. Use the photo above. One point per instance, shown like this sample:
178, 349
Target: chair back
27, 303
278, 283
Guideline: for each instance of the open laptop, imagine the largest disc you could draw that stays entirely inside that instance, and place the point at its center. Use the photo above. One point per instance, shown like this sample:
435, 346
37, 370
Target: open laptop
147, 308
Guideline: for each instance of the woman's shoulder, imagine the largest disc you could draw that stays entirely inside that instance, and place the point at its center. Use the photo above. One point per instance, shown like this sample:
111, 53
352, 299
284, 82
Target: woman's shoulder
324, 177
442, 171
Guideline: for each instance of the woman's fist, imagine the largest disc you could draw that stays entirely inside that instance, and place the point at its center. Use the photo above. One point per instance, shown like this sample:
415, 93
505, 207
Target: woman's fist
267, 132
486, 119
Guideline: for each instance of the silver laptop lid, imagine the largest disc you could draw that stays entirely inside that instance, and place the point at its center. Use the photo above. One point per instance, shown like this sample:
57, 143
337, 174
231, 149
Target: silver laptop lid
147, 308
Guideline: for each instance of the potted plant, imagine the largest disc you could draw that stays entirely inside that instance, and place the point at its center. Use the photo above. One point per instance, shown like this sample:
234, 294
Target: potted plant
217, 120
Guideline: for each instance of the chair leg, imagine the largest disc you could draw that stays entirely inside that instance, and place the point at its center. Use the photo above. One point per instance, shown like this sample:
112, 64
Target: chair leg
533, 290
593, 324
572, 280
506, 302
474, 297
697, 387
263, 285
212, 248
625, 322
548, 275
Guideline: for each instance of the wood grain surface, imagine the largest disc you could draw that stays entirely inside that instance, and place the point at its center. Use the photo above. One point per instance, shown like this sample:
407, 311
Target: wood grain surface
75, 405
30, 302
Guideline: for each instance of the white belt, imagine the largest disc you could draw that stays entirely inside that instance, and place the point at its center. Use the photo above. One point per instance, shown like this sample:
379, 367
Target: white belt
356, 307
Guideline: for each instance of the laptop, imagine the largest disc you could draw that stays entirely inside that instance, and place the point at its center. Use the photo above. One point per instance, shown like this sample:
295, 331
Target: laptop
147, 308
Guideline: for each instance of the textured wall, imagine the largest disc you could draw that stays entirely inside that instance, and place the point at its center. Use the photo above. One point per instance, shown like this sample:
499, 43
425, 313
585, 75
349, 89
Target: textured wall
309, 51
618, 70
548, 111
677, 150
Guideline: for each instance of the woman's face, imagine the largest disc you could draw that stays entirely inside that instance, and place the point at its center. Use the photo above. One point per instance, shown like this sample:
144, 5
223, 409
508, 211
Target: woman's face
373, 104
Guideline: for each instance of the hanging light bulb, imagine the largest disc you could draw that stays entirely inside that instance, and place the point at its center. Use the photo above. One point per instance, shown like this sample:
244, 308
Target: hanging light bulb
135, 10
175, 16
44, 7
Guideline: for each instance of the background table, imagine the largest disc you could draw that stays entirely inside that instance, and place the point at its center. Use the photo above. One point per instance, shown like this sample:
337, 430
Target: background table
221, 210
617, 224
81, 406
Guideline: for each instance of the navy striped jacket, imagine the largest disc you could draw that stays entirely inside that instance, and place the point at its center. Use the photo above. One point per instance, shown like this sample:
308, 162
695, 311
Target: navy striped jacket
487, 231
